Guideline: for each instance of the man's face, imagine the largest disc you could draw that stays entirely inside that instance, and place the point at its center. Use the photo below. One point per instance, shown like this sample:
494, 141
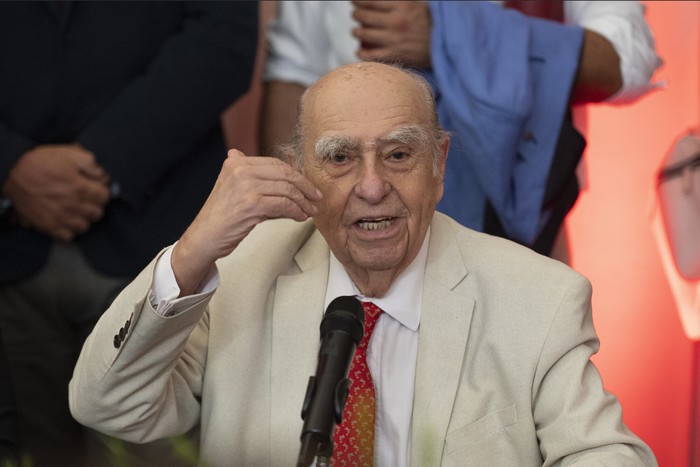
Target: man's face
367, 149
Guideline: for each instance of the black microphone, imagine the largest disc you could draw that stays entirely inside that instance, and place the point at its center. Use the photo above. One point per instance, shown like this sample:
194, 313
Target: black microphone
342, 329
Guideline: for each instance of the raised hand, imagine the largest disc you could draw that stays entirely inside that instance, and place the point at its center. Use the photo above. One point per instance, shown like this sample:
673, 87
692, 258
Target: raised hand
394, 31
248, 191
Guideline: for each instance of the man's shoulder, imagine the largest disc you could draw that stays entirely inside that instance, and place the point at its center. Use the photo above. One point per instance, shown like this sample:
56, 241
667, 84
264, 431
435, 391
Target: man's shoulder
504, 278
497, 257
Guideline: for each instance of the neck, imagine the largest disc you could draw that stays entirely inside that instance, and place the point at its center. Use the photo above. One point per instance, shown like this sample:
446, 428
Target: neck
374, 284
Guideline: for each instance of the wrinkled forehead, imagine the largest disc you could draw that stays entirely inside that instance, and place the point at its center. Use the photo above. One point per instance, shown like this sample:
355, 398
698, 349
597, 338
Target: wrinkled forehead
365, 93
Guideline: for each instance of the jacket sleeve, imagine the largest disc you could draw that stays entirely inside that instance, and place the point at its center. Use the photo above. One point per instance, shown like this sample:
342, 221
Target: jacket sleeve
577, 421
12, 146
139, 374
624, 25
9, 448
200, 71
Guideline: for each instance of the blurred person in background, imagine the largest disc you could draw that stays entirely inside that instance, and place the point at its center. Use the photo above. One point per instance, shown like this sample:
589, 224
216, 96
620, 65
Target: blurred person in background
512, 170
9, 446
676, 226
109, 112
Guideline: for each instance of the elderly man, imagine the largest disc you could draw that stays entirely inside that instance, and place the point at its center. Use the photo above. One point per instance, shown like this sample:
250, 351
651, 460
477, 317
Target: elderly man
481, 354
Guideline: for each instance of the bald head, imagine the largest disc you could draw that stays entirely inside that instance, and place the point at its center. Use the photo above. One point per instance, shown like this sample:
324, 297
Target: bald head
359, 86
361, 83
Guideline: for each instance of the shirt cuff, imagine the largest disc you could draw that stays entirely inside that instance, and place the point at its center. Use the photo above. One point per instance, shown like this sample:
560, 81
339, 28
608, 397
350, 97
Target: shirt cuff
165, 291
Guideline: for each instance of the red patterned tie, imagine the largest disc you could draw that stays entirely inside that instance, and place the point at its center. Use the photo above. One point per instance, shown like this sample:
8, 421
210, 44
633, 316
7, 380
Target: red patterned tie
353, 439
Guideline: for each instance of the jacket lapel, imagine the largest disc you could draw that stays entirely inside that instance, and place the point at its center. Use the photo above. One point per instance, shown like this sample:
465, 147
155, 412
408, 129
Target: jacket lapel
445, 320
297, 313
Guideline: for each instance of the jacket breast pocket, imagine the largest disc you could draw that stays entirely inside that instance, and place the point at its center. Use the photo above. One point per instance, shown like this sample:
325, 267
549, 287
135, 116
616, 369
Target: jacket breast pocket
479, 431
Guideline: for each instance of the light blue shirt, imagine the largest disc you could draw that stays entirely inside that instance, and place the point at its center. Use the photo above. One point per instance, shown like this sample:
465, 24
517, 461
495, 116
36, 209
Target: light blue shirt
504, 130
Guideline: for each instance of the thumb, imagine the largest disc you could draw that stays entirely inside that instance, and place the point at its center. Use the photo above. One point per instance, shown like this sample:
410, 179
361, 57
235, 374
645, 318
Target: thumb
234, 153
85, 162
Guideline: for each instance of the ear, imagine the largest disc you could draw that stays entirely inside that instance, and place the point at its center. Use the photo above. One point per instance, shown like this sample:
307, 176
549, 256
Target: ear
296, 163
286, 154
441, 165
444, 149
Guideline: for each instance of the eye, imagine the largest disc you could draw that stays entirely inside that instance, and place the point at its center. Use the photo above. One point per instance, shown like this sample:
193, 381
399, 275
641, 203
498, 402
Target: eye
401, 158
338, 158
398, 155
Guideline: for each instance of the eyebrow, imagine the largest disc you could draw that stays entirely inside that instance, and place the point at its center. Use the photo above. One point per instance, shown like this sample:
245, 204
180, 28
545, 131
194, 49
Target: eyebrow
410, 135
333, 144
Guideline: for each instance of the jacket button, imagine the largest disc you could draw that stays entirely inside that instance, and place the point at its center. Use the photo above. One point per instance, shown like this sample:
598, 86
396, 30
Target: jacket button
117, 342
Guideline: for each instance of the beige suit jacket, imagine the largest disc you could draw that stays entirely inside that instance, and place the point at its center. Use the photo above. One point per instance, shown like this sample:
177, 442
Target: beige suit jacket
503, 375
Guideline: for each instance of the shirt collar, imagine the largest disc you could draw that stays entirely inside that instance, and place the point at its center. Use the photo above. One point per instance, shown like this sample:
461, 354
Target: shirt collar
403, 299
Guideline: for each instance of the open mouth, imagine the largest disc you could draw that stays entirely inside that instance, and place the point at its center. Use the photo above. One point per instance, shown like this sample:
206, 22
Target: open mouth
375, 224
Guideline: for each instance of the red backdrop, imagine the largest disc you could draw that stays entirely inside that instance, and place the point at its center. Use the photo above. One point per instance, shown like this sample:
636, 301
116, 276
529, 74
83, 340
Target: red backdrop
645, 358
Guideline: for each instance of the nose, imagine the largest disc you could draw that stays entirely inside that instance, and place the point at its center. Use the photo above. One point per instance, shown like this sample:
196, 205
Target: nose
372, 185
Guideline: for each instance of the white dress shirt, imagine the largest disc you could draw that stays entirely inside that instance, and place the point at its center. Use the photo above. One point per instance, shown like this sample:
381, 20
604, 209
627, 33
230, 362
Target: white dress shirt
391, 354
310, 38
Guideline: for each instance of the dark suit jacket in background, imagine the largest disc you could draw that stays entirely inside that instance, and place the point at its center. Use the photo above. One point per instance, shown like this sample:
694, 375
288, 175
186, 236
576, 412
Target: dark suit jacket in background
130, 81
9, 448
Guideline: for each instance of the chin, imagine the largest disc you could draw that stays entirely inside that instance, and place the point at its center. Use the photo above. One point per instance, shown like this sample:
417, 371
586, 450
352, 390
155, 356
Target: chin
376, 262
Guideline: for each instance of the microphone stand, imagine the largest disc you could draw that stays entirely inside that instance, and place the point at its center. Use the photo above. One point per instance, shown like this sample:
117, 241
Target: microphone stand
312, 446
341, 329
317, 438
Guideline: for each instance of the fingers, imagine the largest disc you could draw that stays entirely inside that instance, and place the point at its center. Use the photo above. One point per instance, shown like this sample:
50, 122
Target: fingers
94, 172
62, 225
395, 31
247, 191
91, 186
44, 226
372, 17
379, 30
93, 192
66, 222
73, 219
71, 227
84, 201
285, 200
272, 188
52, 194
270, 168
374, 5
374, 42
88, 211
85, 163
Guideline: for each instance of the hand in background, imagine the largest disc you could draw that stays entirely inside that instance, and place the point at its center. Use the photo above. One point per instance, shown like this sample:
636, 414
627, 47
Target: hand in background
394, 31
248, 191
59, 190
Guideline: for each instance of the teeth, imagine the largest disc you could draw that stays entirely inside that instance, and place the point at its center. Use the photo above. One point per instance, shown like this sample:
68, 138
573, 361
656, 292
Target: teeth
374, 224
